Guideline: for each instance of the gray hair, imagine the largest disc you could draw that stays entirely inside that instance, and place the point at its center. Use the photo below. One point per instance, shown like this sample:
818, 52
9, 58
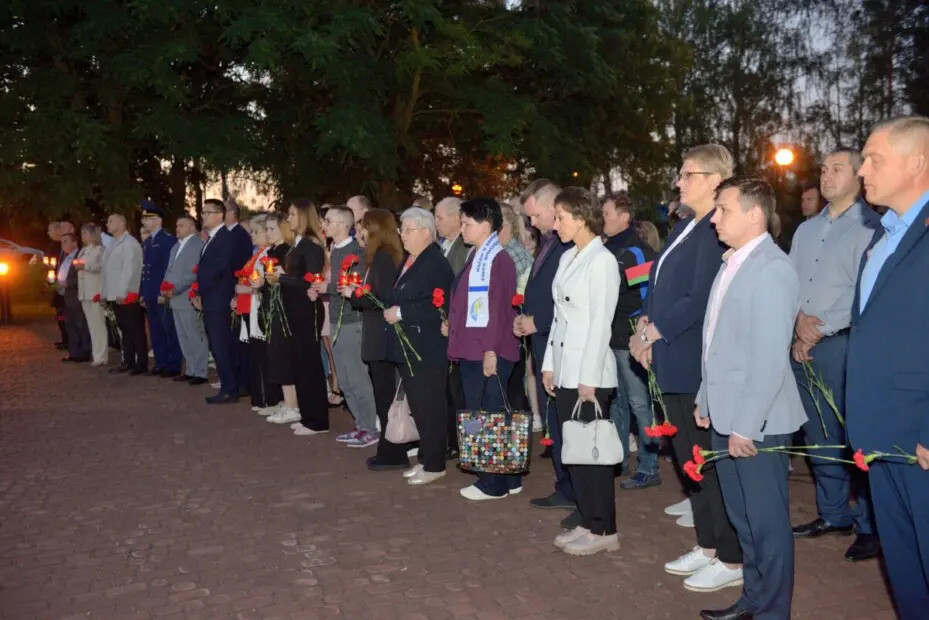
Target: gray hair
420, 217
451, 204
908, 128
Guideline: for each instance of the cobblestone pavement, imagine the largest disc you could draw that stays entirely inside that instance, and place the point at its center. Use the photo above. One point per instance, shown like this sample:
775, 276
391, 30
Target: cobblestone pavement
126, 497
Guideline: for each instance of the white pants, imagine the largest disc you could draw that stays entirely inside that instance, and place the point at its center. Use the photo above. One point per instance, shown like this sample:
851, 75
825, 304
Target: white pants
96, 323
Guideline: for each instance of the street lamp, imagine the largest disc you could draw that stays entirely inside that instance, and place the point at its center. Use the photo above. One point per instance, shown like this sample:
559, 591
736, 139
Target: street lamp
784, 157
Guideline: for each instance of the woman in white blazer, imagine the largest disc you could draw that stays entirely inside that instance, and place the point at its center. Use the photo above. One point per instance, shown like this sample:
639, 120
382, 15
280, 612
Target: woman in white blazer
578, 362
88, 286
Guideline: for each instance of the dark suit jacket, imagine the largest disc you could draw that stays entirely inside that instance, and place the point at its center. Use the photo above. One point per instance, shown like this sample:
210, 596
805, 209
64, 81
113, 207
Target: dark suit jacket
458, 255
538, 296
887, 380
421, 321
677, 302
241, 246
215, 273
381, 275
630, 300
156, 253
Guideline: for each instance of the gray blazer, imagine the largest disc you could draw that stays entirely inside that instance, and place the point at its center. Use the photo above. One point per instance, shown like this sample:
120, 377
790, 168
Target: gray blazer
122, 268
458, 255
748, 387
180, 271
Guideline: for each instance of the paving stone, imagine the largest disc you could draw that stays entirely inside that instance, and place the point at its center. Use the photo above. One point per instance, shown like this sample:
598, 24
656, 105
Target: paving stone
128, 497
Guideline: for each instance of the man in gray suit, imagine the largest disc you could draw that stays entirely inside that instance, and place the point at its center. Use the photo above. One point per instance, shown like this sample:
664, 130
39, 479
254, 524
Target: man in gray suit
748, 393
185, 255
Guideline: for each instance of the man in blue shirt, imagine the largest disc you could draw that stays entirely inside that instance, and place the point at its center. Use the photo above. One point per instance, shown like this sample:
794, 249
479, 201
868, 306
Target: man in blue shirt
827, 251
887, 394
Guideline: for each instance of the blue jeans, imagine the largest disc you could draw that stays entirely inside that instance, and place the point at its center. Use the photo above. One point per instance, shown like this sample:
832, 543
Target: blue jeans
472, 382
632, 394
833, 480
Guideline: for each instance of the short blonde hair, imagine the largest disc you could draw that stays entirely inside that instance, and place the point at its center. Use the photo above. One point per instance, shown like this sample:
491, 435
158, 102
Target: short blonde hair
93, 233
714, 157
514, 219
648, 233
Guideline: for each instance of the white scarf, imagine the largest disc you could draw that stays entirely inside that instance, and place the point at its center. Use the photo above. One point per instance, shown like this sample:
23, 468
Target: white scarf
479, 283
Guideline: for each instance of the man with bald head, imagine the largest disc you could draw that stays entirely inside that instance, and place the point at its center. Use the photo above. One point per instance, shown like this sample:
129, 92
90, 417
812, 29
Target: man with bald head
887, 380
448, 226
359, 206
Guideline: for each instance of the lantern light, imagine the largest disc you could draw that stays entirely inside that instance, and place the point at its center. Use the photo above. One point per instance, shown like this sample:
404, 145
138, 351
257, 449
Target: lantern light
4, 269
784, 157
457, 189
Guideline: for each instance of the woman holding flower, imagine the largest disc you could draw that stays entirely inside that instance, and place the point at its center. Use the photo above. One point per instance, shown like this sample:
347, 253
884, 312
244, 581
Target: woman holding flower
383, 254
423, 363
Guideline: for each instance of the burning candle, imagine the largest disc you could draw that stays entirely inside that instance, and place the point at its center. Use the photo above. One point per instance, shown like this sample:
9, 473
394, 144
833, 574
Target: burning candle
53, 262
46, 260
50, 276
254, 276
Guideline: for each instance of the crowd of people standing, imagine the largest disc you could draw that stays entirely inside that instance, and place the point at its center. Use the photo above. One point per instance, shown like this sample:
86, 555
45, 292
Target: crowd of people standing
720, 336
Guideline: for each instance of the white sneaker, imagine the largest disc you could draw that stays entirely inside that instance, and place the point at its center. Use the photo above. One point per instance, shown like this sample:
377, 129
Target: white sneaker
689, 563
536, 423
270, 410
715, 576
285, 416
475, 494
565, 537
633, 444
589, 544
686, 520
515, 491
425, 477
412, 471
302, 430
680, 508
296, 425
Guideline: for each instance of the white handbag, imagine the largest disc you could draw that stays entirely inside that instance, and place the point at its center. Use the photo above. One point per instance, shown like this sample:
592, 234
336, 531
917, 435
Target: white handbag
590, 443
400, 425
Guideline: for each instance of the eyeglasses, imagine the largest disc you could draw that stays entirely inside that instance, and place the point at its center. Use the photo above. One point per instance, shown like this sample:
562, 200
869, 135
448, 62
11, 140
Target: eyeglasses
686, 176
406, 231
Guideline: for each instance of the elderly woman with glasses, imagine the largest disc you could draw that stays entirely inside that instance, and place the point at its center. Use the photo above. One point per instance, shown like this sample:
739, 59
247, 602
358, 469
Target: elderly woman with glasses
424, 370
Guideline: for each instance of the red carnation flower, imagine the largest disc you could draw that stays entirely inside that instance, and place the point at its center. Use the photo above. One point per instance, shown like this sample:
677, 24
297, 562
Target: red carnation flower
518, 300
362, 290
698, 456
438, 298
653, 431
668, 429
547, 441
861, 460
693, 471
166, 286
191, 294
131, 298
195, 286
348, 261
96, 298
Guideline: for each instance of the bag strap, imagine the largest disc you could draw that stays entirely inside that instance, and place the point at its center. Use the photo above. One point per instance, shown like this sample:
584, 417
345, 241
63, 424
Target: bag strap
506, 403
576, 412
643, 288
400, 394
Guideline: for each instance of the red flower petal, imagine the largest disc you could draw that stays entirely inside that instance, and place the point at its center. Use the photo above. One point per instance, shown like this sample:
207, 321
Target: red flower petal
861, 461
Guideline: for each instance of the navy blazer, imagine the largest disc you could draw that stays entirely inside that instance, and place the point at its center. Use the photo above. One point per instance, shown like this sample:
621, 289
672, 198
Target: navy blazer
420, 320
538, 301
215, 276
677, 302
887, 380
156, 253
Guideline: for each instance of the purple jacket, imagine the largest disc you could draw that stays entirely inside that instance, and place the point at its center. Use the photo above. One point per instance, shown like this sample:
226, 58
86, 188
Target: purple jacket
470, 343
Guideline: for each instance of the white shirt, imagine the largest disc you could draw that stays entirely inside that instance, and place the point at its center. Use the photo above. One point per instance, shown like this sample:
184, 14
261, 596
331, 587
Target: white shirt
674, 244
64, 268
447, 244
231, 227
211, 234
343, 243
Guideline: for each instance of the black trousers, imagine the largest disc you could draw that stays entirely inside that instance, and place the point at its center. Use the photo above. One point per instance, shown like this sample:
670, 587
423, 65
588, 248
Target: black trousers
243, 364
425, 388
593, 484
384, 382
455, 400
714, 531
516, 385
131, 323
78, 332
264, 392
309, 377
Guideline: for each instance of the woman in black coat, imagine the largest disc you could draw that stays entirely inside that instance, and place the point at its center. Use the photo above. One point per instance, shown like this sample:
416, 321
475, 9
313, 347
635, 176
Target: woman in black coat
304, 320
382, 258
425, 372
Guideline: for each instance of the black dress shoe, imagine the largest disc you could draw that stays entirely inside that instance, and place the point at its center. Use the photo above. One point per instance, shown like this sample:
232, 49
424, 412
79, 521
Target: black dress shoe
197, 380
222, 399
555, 500
119, 369
732, 613
819, 527
376, 465
170, 374
181, 378
865, 547
69, 359
138, 371
571, 521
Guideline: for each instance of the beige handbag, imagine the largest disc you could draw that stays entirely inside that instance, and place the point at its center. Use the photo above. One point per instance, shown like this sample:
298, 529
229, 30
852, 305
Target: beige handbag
400, 425
590, 443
